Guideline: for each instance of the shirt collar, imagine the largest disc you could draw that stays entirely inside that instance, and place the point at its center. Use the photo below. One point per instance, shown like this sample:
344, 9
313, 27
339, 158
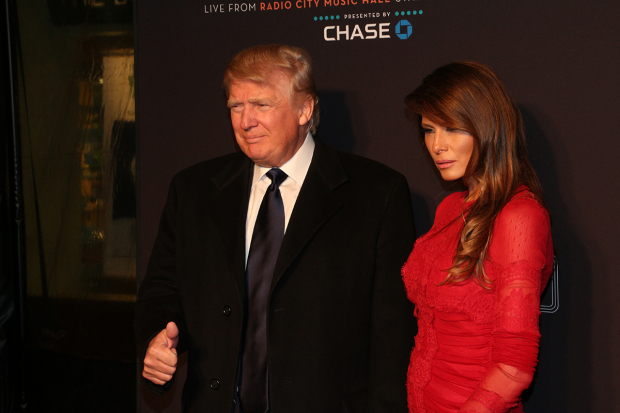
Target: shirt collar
296, 167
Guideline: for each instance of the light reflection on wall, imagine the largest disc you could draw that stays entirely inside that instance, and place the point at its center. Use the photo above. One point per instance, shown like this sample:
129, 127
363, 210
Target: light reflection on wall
119, 256
108, 179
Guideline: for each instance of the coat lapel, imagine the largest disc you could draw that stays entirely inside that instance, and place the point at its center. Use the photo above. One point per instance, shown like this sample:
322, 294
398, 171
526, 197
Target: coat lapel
315, 205
229, 208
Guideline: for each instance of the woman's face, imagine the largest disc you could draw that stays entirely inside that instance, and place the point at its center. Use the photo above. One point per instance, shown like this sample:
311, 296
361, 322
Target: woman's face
450, 149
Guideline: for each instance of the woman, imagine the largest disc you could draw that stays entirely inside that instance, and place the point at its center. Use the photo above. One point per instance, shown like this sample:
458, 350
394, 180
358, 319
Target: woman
477, 275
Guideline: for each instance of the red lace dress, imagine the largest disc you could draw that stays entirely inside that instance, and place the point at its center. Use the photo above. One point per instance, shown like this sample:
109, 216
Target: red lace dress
476, 350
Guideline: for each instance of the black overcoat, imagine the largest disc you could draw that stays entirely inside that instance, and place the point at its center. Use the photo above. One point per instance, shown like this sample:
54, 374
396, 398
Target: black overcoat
340, 328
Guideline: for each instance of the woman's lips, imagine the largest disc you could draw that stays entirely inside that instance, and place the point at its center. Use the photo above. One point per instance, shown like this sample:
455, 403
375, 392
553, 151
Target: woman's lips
444, 164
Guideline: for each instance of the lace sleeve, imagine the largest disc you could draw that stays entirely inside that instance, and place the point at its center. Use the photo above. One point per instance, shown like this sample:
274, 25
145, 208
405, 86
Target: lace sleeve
520, 258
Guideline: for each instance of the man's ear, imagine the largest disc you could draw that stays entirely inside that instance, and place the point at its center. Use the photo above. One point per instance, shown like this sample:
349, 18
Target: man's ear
305, 110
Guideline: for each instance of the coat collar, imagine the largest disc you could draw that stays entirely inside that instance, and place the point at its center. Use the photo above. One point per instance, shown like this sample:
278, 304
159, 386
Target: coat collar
315, 205
229, 210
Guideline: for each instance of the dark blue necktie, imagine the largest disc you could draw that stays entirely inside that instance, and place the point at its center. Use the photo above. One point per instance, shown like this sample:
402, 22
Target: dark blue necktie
264, 249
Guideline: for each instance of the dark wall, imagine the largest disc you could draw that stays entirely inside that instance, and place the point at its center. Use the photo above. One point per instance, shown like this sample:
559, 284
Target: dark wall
560, 61
11, 227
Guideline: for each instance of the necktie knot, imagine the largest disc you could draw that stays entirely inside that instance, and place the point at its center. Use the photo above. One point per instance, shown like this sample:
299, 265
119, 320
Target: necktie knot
277, 176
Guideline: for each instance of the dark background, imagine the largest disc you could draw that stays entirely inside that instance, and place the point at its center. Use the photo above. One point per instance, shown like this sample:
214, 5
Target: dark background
559, 59
67, 238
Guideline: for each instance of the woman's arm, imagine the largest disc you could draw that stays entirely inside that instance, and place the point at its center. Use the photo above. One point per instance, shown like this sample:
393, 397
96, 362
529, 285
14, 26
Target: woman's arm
520, 258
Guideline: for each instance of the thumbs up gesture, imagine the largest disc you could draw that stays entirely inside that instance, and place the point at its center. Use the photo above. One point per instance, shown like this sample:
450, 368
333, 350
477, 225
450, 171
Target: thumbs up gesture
161, 358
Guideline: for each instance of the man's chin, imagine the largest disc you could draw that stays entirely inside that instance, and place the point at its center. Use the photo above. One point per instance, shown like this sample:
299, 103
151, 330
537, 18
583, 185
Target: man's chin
259, 159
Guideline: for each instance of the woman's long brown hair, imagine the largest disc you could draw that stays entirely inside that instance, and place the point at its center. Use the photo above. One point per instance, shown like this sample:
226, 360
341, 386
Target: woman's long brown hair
470, 96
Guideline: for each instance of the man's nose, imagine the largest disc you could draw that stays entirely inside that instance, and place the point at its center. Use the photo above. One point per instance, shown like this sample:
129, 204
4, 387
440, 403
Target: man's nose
247, 120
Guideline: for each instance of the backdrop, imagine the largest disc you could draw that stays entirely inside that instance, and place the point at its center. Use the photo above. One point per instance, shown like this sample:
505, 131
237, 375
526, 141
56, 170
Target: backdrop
559, 59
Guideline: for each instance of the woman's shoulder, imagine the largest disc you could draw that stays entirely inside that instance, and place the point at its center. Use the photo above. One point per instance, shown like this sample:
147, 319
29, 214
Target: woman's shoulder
523, 207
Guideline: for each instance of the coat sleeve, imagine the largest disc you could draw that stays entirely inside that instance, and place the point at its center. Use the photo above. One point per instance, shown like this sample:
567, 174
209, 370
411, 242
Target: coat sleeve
158, 299
393, 325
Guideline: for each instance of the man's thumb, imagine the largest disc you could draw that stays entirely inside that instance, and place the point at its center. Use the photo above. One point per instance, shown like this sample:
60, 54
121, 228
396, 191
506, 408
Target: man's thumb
172, 333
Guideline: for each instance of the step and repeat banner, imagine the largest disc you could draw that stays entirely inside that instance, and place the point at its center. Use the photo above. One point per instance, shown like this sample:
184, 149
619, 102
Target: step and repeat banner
559, 59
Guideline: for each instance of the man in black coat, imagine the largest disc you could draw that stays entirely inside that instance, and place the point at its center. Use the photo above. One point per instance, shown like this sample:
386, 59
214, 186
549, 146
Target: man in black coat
335, 331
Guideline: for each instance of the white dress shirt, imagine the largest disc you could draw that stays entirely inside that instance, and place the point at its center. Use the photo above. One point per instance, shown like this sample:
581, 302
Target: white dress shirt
296, 168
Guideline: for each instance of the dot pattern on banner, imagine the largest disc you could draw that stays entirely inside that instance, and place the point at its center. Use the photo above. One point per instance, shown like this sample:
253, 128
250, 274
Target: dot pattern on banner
337, 17
401, 13
408, 13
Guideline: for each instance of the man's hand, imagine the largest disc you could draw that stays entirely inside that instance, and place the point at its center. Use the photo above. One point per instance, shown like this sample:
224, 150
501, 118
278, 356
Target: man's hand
160, 361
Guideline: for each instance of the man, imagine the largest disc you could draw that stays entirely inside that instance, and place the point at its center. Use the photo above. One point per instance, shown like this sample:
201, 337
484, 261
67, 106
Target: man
278, 269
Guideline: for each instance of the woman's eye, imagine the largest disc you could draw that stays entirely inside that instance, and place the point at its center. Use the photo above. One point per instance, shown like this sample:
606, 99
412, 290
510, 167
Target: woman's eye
426, 130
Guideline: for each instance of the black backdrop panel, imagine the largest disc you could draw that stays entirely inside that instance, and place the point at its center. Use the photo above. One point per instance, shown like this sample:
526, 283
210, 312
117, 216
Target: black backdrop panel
559, 59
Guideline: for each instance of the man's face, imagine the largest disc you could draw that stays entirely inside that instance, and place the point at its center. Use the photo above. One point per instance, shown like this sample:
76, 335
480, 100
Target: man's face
268, 123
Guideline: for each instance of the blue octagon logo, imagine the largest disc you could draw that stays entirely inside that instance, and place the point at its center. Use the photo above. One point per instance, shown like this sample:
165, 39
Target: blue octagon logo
403, 29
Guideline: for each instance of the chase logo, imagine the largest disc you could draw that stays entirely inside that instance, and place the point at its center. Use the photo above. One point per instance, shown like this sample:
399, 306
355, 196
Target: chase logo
403, 29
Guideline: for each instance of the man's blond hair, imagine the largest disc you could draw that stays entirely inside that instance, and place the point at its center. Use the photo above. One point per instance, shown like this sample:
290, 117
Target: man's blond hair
258, 64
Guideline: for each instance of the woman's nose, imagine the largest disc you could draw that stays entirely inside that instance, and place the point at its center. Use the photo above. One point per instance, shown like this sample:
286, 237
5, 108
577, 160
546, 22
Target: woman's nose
439, 142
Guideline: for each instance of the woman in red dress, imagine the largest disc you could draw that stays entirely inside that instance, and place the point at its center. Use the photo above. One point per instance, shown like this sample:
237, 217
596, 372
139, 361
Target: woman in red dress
476, 277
